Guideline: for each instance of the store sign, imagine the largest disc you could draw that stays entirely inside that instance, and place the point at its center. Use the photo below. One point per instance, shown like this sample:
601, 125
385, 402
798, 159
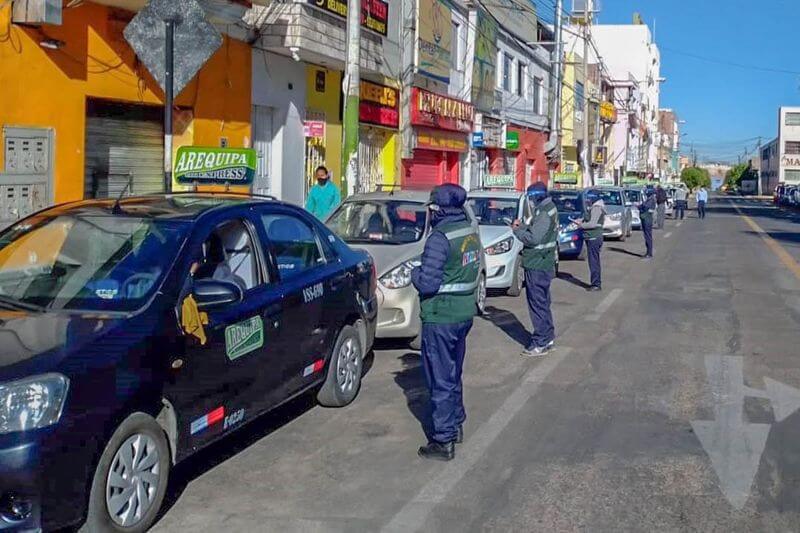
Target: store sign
379, 105
314, 128
600, 155
445, 141
477, 139
374, 13
235, 166
512, 140
788, 161
608, 112
493, 132
566, 178
442, 112
499, 180
435, 36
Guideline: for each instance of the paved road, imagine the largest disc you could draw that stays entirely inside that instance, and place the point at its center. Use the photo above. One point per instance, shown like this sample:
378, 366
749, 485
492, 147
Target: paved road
669, 405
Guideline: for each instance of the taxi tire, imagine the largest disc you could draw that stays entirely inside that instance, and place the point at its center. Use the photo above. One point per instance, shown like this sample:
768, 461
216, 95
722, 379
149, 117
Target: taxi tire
98, 519
331, 395
518, 281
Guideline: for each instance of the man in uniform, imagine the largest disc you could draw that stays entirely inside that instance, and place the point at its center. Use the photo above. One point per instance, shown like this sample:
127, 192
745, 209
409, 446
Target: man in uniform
539, 236
446, 281
646, 209
661, 206
592, 225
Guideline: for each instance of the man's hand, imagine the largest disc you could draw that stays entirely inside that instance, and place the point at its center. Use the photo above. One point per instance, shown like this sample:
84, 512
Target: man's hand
516, 223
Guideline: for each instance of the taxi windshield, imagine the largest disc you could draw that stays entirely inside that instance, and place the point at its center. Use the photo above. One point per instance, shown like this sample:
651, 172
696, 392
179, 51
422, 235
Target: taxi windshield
634, 196
80, 261
610, 197
379, 222
494, 211
567, 202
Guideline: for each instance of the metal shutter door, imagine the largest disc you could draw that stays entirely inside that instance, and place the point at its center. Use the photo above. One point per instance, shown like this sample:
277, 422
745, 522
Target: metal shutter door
123, 142
425, 170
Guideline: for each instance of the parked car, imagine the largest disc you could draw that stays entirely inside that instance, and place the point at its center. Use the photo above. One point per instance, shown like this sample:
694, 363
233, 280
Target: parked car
570, 205
618, 220
634, 197
777, 195
135, 333
495, 210
392, 226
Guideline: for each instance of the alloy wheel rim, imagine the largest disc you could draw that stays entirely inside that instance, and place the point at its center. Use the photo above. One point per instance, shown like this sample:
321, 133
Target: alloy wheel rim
348, 366
482, 294
133, 480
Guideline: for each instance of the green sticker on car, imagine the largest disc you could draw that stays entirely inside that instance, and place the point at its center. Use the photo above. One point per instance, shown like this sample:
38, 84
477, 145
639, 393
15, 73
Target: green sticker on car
244, 337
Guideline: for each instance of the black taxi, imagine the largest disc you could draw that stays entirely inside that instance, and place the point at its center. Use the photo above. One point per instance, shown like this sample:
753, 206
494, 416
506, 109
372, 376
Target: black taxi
135, 332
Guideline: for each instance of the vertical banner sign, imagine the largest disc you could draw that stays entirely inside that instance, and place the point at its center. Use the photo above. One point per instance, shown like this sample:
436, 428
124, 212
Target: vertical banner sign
434, 28
483, 73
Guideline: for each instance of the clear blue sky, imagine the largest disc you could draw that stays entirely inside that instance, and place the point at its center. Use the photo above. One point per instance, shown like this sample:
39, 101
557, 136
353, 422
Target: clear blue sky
722, 104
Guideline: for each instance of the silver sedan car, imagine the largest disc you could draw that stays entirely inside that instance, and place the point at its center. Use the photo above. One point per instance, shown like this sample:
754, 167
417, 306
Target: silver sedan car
392, 226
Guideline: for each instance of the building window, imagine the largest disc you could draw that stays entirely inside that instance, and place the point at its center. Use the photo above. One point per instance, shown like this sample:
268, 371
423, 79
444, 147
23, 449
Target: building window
457, 49
793, 119
522, 78
537, 96
579, 95
792, 147
508, 62
791, 176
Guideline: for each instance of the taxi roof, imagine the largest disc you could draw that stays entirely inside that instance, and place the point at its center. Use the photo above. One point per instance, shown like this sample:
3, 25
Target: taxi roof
173, 206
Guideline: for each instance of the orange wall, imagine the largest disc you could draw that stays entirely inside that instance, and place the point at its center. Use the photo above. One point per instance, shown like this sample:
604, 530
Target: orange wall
48, 88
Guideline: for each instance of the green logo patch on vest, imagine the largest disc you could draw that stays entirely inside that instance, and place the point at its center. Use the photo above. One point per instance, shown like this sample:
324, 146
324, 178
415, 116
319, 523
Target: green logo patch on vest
244, 337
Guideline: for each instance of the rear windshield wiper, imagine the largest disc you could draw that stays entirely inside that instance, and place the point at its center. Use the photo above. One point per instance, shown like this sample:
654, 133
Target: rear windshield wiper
13, 303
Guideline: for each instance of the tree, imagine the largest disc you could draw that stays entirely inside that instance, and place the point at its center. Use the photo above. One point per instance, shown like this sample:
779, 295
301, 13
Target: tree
695, 177
733, 178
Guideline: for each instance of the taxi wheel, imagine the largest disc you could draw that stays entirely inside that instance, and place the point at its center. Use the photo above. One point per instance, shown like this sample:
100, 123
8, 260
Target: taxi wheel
518, 281
343, 380
131, 478
480, 294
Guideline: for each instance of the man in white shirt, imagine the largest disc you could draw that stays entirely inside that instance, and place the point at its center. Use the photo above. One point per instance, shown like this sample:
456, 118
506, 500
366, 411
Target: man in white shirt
702, 198
680, 202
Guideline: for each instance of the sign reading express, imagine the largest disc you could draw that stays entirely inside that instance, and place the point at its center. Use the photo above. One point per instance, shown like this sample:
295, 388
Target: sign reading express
235, 166
379, 105
374, 13
442, 112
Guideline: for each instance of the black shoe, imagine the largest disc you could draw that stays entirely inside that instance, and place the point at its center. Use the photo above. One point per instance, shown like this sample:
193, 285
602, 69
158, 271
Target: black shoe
460, 435
438, 451
595, 288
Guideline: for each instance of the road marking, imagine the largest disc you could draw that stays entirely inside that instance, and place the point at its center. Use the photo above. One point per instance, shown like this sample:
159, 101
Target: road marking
413, 515
668, 235
772, 244
734, 445
604, 305
678, 225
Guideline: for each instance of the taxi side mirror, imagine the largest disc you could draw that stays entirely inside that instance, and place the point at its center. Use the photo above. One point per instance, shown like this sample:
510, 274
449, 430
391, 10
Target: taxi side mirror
210, 293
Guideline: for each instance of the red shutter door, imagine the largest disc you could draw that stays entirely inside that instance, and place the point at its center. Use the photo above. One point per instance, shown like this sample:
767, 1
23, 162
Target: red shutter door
424, 171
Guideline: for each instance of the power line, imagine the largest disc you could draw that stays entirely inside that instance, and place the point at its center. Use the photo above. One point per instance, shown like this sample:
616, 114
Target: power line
731, 63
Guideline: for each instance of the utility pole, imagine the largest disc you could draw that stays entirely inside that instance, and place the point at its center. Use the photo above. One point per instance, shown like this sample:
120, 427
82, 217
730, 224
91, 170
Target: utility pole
587, 171
351, 89
760, 163
169, 96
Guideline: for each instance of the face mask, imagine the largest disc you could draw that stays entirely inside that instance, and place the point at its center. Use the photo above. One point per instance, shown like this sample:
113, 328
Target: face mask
322, 181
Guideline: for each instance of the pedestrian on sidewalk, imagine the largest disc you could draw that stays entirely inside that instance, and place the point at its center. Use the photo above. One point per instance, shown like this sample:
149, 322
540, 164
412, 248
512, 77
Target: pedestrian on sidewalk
539, 236
681, 203
646, 209
592, 225
323, 197
446, 281
661, 206
701, 197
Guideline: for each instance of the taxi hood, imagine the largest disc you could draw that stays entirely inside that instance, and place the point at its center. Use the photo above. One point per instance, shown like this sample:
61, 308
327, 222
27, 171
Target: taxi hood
388, 256
492, 234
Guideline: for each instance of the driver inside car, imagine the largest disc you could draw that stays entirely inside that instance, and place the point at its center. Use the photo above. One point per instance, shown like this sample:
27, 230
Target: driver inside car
215, 263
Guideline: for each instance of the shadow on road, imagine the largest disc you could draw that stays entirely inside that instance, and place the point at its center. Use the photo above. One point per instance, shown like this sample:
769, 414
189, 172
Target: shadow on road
569, 278
411, 380
624, 251
508, 323
784, 236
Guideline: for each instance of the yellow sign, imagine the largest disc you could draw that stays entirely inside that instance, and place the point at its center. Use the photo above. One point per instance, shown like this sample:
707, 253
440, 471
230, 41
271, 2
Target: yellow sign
608, 113
434, 27
442, 140
380, 94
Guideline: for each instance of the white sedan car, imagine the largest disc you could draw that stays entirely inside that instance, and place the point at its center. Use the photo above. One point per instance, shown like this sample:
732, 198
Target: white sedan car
495, 211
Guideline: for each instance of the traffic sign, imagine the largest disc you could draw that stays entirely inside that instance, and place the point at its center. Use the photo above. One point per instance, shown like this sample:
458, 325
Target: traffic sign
195, 39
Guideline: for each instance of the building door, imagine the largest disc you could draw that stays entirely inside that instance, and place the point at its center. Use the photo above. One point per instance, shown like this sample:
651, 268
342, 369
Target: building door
124, 144
425, 171
26, 181
262, 144
370, 150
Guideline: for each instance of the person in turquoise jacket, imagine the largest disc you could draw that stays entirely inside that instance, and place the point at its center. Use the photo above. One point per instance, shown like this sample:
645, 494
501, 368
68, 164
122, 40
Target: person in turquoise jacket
323, 197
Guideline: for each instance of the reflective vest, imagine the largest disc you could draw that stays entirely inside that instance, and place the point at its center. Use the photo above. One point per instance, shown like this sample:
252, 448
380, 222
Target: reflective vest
595, 233
456, 301
543, 255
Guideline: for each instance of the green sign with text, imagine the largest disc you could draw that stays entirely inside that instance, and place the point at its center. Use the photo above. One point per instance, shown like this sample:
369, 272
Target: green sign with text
512, 140
200, 165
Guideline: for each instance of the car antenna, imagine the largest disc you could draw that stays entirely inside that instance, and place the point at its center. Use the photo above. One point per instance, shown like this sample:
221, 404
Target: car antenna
116, 209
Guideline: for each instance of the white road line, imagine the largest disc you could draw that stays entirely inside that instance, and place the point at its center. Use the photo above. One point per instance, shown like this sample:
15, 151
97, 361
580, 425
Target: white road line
604, 305
678, 225
668, 235
413, 515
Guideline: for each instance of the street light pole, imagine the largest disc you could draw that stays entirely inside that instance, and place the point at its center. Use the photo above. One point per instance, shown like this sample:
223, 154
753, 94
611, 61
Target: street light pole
169, 80
351, 89
587, 173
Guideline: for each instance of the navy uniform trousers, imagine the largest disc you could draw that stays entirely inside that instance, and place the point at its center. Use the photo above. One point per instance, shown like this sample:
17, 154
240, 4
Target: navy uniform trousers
647, 230
537, 289
595, 269
443, 349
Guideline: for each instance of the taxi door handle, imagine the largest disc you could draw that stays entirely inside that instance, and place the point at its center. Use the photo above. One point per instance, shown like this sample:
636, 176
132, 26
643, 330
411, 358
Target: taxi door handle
339, 279
273, 314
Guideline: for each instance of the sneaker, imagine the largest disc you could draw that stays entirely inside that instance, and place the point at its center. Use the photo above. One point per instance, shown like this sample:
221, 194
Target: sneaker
647, 258
536, 351
460, 435
594, 288
438, 451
